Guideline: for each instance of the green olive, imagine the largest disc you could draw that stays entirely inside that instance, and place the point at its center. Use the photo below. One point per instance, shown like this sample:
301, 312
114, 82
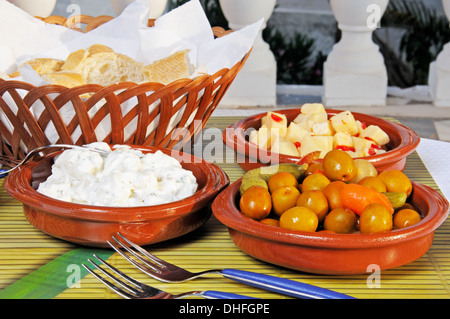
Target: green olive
339, 166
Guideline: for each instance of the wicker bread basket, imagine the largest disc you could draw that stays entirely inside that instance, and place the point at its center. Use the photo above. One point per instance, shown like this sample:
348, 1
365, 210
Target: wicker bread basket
163, 115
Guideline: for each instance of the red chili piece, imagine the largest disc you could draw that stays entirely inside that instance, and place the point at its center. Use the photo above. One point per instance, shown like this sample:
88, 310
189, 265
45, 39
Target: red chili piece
276, 118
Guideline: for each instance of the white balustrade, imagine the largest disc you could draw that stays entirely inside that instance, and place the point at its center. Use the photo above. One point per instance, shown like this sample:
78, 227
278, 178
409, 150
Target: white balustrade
255, 85
439, 75
355, 73
39, 8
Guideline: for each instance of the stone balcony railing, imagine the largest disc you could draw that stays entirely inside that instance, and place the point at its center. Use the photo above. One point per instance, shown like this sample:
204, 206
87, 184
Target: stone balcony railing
354, 73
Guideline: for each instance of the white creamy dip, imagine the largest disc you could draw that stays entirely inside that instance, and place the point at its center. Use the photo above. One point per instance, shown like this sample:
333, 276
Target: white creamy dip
123, 178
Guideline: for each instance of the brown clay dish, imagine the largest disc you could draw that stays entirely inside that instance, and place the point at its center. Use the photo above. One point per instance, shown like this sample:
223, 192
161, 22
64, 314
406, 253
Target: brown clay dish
333, 254
403, 141
94, 225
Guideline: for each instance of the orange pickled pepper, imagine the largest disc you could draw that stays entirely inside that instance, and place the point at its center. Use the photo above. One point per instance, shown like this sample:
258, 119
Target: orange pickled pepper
357, 197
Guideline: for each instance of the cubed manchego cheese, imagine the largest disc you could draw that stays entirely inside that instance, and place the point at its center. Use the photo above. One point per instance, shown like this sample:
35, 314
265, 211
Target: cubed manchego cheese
312, 108
344, 122
301, 118
261, 137
361, 143
357, 153
364, 147
305, 126
310, 144
342, 139
308, 120
317, 118
281, 146
376, 134
361, 127
322, 128
276, 131
295, 133
275, 120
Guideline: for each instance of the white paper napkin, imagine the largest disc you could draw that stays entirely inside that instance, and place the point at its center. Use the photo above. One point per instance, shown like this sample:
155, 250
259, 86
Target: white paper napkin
26, 36
436, 157
23, 37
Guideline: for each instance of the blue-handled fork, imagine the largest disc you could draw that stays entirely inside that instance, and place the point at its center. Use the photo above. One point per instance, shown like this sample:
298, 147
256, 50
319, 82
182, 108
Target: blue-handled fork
129, 288
167, 272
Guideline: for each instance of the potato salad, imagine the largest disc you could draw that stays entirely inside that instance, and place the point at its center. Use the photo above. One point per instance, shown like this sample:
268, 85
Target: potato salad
125, 177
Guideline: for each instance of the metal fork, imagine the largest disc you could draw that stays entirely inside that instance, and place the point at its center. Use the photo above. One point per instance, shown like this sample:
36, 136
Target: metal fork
33, 152
167, 272
130, 288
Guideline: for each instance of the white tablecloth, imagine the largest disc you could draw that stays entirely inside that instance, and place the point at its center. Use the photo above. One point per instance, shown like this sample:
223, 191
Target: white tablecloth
436, 157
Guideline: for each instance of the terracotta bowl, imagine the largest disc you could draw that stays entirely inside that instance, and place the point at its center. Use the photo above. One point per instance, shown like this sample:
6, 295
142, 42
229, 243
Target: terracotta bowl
403, 141
328, 253
94, 225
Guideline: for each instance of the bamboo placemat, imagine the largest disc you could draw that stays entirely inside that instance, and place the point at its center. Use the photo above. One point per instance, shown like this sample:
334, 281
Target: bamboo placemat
35, 265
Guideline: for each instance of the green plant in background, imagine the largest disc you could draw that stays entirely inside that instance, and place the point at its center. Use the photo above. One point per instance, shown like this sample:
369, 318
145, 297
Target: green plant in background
295, 61
424, 35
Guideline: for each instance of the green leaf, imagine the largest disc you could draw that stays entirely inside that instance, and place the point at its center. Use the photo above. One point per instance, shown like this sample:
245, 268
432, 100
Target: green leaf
53, 278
